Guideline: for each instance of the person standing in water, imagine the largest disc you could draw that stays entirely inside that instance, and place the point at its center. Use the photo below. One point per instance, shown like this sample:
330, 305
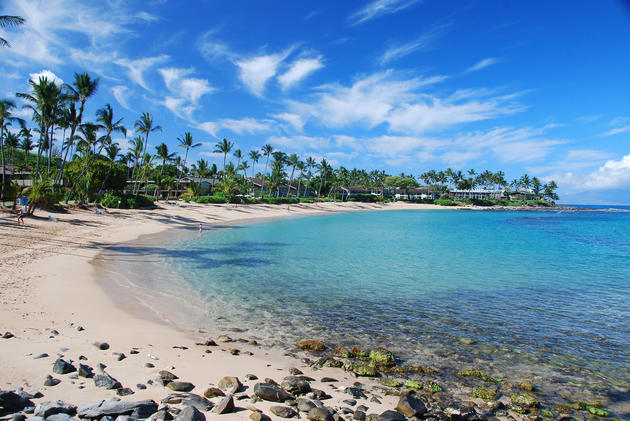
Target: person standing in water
200, 227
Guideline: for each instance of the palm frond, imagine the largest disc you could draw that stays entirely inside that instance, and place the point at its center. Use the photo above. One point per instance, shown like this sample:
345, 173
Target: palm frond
10, 21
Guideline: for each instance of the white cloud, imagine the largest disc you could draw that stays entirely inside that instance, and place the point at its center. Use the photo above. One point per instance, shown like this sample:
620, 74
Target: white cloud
47, 74
378, 8
589, 118
294, 120
147, 17
243, 126
212, 49
121, 93
616, 130
486, 62
299, 70
299, 143
611, 175
256, 71
136, 68
185, 91
395, 52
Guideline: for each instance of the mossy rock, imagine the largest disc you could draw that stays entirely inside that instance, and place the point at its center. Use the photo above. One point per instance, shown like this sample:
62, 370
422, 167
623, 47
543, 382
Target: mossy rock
485, 393
577, 406
389, 382
546, 413
432, 387
523, 399
382, 356
342, 352
363, 370
359, 353
335, 364
310, 345
412, 384
478, 374
526, 385
563, 409
597, 411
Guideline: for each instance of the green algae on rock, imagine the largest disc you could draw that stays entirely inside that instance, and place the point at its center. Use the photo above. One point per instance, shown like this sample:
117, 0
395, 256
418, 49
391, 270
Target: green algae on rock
478, 374
485, 393
383, 357
310, 345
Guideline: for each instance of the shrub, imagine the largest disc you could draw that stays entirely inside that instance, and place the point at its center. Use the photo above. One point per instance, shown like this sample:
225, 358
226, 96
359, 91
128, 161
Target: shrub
215, 198
445, 202
364, 197
127, 201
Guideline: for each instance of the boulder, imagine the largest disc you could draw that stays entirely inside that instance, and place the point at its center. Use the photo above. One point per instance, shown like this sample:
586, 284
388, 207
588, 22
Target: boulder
113, 408
410, 406
85, 371
310, 345
188, 399
13, 402
125, 391
63, 367
106, 381
165, 377
181, 386
295, 385
319, 414
271, 392
226, 405
50, 381
190, 413
305, 405
59, 417
383, 357
213, 392
46, 409
230, 384
391, 416
283, 411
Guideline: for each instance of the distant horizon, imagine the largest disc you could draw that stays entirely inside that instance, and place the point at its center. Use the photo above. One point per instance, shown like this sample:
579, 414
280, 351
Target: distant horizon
394, 85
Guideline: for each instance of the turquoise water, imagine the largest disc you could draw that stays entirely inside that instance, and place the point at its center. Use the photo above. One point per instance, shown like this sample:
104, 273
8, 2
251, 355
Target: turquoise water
541, 292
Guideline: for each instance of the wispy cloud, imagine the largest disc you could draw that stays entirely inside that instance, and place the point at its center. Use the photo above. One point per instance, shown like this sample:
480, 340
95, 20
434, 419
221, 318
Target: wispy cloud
136, 68
48, 74
121, 93
379, 8
396, 52
612, 174
185, 91
299, 70
486, 62
246, 125
295, 120
616, 130
254, 72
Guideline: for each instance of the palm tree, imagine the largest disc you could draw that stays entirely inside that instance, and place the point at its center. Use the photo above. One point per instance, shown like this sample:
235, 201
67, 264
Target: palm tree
6, 22
12, 141
112, 151
224, 147
105, 116
323, 172
186, 141
6, 107
238, 154
254, 155
310, 164
292, 161
201, 168
300, 166
162, 152
244, 167
27, 143
267, 150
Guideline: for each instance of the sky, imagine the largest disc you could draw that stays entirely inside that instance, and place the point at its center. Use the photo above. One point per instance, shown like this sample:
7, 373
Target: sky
398, 85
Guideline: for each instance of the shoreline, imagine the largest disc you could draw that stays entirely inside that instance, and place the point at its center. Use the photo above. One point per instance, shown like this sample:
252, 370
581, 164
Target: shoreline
63, 273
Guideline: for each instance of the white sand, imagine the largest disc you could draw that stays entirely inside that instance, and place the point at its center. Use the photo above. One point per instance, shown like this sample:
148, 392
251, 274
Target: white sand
47, 282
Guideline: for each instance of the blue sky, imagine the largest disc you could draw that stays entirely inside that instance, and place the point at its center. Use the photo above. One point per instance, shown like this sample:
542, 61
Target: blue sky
401, 85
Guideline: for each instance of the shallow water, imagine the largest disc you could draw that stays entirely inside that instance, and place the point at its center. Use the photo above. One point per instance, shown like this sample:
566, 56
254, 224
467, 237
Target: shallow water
543, 293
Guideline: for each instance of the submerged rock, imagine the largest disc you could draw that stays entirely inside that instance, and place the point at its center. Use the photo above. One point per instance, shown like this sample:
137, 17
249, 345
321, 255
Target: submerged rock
310, 345
383, 357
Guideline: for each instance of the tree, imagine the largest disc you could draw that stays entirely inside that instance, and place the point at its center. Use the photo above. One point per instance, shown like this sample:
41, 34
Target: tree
27, 143
8, 22
238, 154
144, 125
6, 116
549, 191
12, 142
201, 168
267, 150
164, 155
324, 170
186, 141
292, 161
224, 147
536, 186
105, 116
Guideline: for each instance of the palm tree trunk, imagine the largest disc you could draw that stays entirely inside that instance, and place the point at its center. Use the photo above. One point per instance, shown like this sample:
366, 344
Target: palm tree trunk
262, 189
3, 167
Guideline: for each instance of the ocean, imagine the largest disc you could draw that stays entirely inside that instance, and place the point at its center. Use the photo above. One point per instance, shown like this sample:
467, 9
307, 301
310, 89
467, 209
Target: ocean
542, 295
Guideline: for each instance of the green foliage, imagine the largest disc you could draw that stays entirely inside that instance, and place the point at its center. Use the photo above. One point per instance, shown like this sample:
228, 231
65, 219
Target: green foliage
445, 202
385, 381
526, 386
127, 201
546, 413
215, 198
412, 384
101, 174
364, 197
485, 393
42, 194
523, 399
432, 387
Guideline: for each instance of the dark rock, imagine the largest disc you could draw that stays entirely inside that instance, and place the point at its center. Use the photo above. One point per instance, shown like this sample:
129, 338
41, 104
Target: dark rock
391, 416
328, 380
295, 371
85, 371
295, 385
283, 411
59, 417
40, 356
320, 394
180, 386
106, 381
63, 367
141, 386
164, 377
235, 351
310, 345
161, 415
134, 351
82, 358
355, 392
18, 417
304, 405
350, 402
410, 406
13, 402
230, 384
271, 381
120, 356
358, 415
226, 405
251, 377
101, 367
50, 381
46, 409
271, 392
190, 413
213, 392
103, 346
188, 399
80, 328
100, 408
125, 391
319, 414
124, 418
150, 365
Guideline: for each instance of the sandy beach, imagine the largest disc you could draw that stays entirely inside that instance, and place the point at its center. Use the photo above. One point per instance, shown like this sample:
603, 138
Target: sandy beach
53, 303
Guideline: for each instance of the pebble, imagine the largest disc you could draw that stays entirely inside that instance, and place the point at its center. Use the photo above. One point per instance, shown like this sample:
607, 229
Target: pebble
51, 381
101, 345
43, 355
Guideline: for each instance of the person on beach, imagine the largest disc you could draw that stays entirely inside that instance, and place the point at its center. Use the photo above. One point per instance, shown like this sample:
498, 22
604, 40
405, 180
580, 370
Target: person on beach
20, 217
200, 227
